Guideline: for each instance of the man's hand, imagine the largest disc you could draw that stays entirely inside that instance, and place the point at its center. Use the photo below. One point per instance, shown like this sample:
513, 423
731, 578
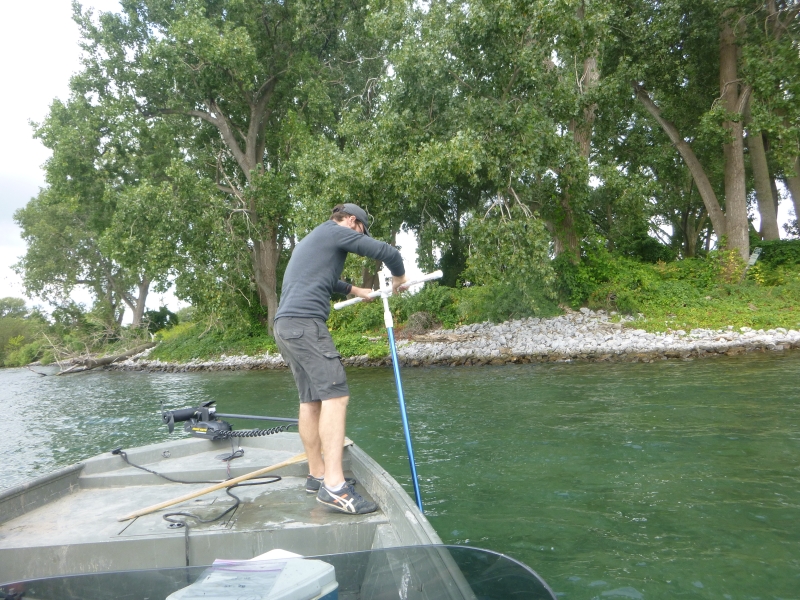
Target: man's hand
397, 283
363, 293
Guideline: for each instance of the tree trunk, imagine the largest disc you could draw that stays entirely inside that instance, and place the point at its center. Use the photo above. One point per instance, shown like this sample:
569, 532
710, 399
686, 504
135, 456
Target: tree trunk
692, 228
265, 270
763, 184
93, 363
776, 196
369, 275
138, 307
566, 237
793, 183
704, 187
690, 245
735, 186
610, 225
266, 251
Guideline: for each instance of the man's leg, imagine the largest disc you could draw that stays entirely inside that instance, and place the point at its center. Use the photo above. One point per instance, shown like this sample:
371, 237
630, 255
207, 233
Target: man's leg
332, 418
309, 427
336, 493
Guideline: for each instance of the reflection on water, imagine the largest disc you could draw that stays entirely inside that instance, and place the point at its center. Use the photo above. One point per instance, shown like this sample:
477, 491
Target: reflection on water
671, 479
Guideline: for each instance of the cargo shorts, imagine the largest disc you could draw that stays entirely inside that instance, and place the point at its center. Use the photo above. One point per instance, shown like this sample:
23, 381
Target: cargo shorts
316, 365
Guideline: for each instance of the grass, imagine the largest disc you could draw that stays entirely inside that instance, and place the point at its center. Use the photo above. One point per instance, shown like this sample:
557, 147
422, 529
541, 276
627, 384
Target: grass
188, 341
746, 305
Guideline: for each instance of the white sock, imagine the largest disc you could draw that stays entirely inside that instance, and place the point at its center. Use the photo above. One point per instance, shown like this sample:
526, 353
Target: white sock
338, 488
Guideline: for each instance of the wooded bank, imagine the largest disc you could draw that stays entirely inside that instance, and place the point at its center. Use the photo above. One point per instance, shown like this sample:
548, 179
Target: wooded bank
517, 141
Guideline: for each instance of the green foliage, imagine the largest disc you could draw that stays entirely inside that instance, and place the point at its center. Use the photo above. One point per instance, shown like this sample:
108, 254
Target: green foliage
444, 304
746, 305
603, 280
19, 333
510, 254
578, 282
163, 318
198, 145
778, 263
186, 314
779, 252
24, 354
361, 317
208, 340
11, 328
503, 302
13, 307
355, 344
697, 292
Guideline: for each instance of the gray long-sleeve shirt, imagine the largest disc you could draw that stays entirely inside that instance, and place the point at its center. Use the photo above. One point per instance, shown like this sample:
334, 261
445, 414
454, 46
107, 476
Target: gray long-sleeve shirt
316, 264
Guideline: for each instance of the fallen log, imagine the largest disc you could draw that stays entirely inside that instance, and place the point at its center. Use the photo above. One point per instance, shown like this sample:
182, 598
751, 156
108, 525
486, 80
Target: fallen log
93, 363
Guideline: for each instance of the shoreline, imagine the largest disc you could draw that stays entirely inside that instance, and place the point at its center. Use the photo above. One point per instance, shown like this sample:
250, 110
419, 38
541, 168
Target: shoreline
585, 336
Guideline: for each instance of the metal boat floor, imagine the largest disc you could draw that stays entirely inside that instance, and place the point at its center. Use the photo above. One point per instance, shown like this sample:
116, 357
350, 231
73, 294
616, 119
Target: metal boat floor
70, 524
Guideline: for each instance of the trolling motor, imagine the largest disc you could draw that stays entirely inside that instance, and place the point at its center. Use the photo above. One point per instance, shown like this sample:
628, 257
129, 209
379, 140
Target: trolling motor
200, 421
203, 421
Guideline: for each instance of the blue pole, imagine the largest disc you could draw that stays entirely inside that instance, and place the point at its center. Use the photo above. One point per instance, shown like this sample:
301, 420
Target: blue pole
384, 293
404, 417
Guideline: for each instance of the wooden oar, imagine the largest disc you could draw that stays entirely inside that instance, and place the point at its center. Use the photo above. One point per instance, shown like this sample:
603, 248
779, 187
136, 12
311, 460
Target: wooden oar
218, 486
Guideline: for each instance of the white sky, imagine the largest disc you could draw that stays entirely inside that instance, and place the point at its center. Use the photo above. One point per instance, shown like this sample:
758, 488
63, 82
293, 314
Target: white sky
40, 52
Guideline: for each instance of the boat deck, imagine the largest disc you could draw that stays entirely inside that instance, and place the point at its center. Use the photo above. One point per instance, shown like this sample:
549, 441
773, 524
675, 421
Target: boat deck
68, 522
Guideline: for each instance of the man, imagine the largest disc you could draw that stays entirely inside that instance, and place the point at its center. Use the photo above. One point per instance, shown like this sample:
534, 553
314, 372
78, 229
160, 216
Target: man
312, 275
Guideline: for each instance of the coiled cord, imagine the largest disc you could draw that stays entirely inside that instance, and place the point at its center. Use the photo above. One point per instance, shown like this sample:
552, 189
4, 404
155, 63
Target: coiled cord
248, 433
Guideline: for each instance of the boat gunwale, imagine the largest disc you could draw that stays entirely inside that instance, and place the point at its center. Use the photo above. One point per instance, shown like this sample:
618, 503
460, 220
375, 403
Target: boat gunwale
37, 486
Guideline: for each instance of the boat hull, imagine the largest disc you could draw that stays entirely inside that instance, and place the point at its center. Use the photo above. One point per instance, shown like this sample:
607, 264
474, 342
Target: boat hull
68, 522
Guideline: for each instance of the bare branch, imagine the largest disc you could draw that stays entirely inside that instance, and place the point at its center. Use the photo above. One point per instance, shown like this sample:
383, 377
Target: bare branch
227, 190
525, 209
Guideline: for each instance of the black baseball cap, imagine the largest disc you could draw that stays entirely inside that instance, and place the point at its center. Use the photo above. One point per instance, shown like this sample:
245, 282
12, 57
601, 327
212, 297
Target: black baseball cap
359, 213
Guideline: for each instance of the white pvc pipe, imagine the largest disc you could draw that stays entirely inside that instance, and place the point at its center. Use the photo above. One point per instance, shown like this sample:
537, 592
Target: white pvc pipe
376, 293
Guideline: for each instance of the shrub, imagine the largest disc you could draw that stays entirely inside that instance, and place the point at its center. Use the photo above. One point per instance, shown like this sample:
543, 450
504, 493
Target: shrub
498, 303
441, 302
163, 318
356, 344
779, 252
15, 333
24, 354
207, 340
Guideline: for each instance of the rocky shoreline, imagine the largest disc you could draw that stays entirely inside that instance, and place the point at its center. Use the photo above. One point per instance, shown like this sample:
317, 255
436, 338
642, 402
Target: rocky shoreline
581, 336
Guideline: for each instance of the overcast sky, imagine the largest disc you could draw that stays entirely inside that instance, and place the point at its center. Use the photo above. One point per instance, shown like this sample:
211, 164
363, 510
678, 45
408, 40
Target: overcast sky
40, 52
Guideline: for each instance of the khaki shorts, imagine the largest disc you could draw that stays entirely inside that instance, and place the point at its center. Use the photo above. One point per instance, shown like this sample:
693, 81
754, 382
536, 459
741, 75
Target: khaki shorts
307, 347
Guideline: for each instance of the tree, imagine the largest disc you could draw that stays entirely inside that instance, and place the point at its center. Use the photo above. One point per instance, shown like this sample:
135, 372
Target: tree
93, 225
692, 70
253, 75
13, 307
474, 113
510, 252
771, 63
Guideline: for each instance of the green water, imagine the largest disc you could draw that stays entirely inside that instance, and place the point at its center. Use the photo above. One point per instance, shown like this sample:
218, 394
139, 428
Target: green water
663, 480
